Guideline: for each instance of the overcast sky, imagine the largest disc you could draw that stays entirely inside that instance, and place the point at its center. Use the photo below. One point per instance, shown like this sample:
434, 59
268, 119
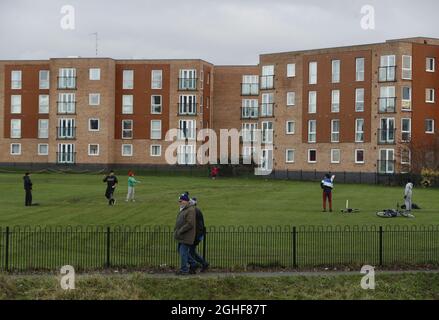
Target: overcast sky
219, 31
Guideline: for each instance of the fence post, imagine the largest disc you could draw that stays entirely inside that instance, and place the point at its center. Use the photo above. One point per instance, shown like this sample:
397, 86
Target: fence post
7, 250
204, 245
381, 245
294, 248
107, 263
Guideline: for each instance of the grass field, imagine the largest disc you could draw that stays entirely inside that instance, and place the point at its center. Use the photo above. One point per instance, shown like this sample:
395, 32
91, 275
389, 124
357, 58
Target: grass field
140, 286
74, 199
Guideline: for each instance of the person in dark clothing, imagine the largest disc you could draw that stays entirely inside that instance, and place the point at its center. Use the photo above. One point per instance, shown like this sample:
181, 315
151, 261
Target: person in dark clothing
327, 185
28, 189
200, 233
111, 181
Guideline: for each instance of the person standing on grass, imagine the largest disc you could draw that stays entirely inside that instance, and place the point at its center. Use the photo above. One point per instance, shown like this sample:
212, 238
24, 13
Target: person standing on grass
131, 185
214, 172
28, 189
408, 193
200, 233
111, 181
184, 233
327, 185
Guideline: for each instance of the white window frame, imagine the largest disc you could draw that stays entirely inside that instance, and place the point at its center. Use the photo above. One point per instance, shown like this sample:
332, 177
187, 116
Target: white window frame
128, 79
250, 85
387, 152
123, 149
248, 132
153, 105
408, 132
187, 79
152, 147
359, 102
309, 156
66, 128
429, 92
93, 154
291, 70
89, 124
312, 107
44, 84
432, 126
250, 109
39, 150
153, 132
332, 156
360, 69
186, 154
42, 97
67, 103
94, 74
409, 156
94, 95
267, 79
291, 99
187, 104
67, 78
15, 132
293, 131
191, 132
336, 71
267, 132
43, 133
66, 157
267, 105
127, 130
11, 149
333, 132
16, 84
16, 108
335, 101
312, 135
293, 155
428, 64
356, 156
406, 70
157, 84
127, 108
313, 72
357, 132
406, 105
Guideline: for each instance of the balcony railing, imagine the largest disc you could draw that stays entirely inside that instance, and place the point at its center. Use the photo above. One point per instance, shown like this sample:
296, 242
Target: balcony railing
189, 84
187, 109
386, 136
386, 166
67, 83
249, 113
249, 89
267, 82
66, 157
267, 110
387, 74
66, 107
66, 133
406, 137
387, 105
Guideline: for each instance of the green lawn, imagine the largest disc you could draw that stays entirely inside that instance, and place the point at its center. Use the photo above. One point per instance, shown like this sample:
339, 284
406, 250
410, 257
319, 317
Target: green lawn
75, 199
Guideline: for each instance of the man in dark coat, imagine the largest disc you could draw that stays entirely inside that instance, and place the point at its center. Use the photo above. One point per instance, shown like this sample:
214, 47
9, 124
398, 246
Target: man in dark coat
111, 181
27, 189
200, 233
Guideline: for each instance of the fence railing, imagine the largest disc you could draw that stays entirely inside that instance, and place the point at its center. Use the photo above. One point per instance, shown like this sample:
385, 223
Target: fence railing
88, 248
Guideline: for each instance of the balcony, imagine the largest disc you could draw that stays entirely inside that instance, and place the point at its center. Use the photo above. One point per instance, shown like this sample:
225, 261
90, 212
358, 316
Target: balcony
387, 105
187, 109
65, 157
386, 166
65, 133
66, 107
249, 89
249, 113
187, 84
387, 74
67, 83
267, 110
267, 82
386, 136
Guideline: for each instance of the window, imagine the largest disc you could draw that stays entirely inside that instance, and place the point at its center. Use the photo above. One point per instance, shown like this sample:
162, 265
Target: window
312, 102
430, 64
127, 129
359, 130
359, 69
128, 79
66, 128
335, 155
127, 104
156, 79
187, 129
156, 150
94, 74
386, 161
249, 108
127, 150
188, 79
66, 153
16, 104
291, 127
187, 105
313, 73
44, 82
405, 156
291, 70
267, 105
289, 156
267, 78
93, 150
429, 126
43, 129
335, 130
15, 128
186, 154
201, 79
267, 132
406, 67
93, 125
312, 133
312, 156
429, 95
387, 70
15, 149
406, 98
387, 131
43, 103
15, 79
43, 149
335, 71
248, 132
359, 156
250, 85
359, 100
67, 78
248, 153
406, 128
156, 129
156, 104
335, 101
291, 98
94, 99
66, 103
387, 100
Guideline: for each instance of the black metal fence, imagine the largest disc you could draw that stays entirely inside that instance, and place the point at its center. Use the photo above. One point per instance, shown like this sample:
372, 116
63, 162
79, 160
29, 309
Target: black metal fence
89, 248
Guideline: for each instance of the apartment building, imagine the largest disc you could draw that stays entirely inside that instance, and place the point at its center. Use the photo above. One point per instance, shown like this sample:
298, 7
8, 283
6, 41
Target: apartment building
363, 108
